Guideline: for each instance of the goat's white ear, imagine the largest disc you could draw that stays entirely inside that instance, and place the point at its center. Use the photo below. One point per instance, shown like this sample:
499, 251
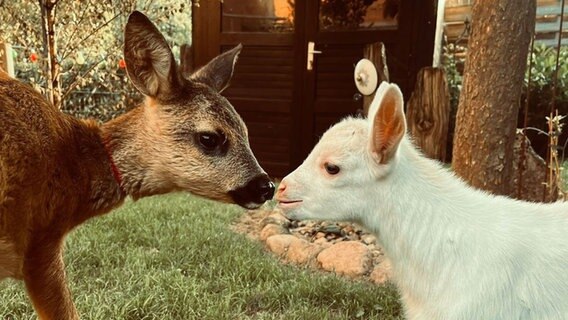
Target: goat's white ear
388, 125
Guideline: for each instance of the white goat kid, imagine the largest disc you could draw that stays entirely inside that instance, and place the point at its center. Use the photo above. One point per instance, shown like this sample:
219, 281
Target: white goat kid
456, 252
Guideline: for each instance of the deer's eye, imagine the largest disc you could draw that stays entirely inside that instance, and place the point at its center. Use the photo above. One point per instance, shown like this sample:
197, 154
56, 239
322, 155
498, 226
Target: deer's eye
210, 140
331, 168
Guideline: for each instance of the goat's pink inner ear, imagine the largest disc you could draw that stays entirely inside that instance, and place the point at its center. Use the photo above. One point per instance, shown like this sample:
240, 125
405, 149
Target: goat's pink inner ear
388, 126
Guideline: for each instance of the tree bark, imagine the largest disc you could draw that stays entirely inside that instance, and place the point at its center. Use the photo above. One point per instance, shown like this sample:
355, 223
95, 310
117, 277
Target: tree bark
487, 112
50, 50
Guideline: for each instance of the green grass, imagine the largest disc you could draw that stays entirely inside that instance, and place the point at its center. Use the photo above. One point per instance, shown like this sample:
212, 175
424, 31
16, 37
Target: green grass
174, 257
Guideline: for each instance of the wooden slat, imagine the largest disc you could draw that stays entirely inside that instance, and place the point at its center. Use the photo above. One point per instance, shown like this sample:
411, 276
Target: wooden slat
272, 60
262, 83
276, 169
267, 52
264, 68
324, 122
267, 93
261, 105
253, 38
550, 9
268, 155
342, 106
262, 77
279, 140
270, 147
550, 26
264, 117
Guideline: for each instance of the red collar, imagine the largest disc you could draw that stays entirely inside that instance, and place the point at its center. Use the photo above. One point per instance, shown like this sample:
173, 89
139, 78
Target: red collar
115, 172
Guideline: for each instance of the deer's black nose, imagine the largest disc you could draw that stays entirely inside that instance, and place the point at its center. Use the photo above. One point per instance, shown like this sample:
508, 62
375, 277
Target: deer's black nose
255, 192
263, 187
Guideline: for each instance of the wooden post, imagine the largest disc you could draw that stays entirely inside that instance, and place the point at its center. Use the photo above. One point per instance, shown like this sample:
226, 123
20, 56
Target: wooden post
376, 53
428, 112
6, 60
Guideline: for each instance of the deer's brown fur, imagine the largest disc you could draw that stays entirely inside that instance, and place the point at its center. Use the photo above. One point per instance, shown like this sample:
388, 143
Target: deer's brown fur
57, 171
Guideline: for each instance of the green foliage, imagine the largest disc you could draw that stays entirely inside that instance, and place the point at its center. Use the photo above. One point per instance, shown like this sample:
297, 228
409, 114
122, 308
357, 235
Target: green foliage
541, 95
174, 257
89, 47
453, 76
543, 70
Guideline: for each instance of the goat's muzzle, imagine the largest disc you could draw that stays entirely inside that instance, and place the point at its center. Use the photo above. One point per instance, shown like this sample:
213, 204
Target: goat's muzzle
257, 191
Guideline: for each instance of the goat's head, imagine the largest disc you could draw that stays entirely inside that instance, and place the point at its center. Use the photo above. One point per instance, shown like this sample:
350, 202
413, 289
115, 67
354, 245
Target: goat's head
352, 158
191, 136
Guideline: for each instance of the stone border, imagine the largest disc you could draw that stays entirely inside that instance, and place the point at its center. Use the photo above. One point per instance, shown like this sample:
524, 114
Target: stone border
343, 248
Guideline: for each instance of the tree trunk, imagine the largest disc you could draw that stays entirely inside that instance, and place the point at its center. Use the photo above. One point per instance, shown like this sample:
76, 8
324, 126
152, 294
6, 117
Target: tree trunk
50, 50
428, 112
487, 113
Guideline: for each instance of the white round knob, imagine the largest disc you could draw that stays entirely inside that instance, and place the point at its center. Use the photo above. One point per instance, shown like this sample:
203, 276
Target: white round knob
366, 77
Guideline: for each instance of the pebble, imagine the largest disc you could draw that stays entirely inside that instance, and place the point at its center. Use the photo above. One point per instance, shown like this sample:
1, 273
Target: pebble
350, 258
272, 229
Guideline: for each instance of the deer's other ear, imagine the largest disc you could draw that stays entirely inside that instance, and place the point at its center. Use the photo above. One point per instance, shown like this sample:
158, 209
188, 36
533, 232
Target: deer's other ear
218, 72
388, 125
150, 63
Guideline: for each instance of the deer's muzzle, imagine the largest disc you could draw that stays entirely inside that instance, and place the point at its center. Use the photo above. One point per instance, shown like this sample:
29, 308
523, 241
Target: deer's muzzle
252, 195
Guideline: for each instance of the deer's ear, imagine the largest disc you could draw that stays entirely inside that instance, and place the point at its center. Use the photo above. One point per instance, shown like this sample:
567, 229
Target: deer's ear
218, 72
150, 63
388, 125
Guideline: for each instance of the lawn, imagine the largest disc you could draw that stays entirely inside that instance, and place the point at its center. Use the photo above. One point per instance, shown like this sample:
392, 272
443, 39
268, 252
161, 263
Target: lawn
175, 257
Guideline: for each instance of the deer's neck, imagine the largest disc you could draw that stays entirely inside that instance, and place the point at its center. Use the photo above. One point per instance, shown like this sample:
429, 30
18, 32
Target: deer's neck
83, 173
131, 142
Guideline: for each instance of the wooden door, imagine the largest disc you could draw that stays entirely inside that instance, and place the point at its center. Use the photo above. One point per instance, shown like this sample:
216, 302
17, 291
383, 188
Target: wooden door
286, 106
340, 30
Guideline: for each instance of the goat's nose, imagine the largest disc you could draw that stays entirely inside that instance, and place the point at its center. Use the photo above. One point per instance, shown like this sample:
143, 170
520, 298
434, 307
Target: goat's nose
281, 187
263, 187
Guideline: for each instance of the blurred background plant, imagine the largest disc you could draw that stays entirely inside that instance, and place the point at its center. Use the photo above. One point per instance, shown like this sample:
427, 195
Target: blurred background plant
90, 71
540, 97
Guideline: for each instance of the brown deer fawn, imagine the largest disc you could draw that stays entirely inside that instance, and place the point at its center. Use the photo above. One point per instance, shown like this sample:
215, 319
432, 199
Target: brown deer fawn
56, 171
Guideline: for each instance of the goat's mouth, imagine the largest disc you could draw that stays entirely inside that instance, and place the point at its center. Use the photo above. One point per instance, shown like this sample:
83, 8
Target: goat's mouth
287, 203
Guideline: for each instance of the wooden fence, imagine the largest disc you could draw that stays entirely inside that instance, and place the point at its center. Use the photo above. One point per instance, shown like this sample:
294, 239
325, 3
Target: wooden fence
458, 13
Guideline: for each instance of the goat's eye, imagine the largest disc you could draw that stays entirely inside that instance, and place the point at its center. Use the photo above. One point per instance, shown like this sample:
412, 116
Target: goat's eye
209, 140
331, 168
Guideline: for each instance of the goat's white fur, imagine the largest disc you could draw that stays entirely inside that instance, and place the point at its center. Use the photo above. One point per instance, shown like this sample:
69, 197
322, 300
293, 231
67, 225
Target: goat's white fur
456, 252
